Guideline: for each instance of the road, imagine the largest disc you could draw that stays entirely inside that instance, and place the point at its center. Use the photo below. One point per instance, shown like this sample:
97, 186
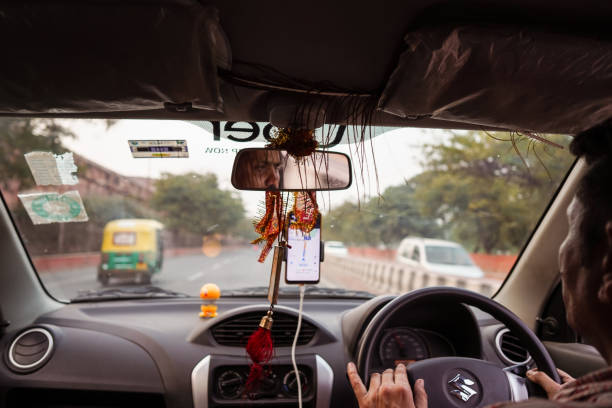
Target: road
231, 269
238, 268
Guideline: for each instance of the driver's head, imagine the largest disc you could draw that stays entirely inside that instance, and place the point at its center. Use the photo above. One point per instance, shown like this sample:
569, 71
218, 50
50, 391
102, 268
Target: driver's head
585, 257
262, 169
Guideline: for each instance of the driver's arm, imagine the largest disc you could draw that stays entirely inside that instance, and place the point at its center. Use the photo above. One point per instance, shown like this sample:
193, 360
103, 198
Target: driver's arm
389, 389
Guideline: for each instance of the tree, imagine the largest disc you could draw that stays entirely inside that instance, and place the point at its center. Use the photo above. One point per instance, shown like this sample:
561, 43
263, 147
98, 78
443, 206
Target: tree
381, 220
488, 190
485, 191
19, 136
345, 223
194, 203
399, 216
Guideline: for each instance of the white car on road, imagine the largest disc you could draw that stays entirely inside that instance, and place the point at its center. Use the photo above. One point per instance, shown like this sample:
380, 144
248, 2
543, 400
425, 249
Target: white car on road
335, 248
438, 256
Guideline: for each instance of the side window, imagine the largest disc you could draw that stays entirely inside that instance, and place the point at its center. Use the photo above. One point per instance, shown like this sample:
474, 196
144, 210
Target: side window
416, 254
552, 324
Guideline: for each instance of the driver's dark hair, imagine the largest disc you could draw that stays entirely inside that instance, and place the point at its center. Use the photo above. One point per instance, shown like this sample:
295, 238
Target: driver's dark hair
594, 190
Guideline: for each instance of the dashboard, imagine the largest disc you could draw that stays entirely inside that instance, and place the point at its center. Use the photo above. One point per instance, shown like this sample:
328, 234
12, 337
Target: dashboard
160, 353
407, 345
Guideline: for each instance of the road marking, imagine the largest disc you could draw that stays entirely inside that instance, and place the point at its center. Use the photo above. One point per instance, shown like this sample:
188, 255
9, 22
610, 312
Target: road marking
220, 264
195, 276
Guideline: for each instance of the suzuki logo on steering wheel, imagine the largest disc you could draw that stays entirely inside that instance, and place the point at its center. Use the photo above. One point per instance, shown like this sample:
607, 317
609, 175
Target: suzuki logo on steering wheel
460, 388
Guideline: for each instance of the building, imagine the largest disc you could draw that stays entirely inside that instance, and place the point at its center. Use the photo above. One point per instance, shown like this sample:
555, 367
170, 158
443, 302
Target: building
94, 179
98, 180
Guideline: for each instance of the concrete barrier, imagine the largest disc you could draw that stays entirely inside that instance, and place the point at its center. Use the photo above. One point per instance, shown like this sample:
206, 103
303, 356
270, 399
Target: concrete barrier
494, 265
50, 263
65, 261
379, 276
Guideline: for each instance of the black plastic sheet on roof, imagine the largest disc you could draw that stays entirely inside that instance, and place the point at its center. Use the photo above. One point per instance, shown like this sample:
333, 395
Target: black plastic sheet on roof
109, 56
504, 77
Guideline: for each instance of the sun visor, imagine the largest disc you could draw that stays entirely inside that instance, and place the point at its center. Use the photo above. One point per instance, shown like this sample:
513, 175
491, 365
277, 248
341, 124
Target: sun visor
503, 77
109, 56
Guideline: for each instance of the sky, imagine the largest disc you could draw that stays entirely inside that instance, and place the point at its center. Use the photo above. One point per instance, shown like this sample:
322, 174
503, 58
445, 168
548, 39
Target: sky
397, 155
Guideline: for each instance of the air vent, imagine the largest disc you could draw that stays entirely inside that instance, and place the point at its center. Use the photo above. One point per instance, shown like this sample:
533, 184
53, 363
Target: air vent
30, 350
235, 331
510, 348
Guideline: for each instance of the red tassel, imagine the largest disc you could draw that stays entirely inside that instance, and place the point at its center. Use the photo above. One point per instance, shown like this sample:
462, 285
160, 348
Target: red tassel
259, 346
260, 349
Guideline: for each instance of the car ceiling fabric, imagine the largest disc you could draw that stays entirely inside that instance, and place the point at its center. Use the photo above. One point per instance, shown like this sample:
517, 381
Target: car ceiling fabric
110, 56
503, 76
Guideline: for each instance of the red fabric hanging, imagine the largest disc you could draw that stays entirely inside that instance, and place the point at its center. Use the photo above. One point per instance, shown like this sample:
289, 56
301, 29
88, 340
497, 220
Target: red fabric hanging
271, 223
260, 349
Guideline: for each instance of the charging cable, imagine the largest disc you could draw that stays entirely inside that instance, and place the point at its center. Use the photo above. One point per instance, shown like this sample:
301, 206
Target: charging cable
295, 339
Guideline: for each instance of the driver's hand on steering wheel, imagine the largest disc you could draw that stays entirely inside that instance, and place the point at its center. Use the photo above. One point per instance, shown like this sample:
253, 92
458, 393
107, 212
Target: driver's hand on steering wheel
548, 384
389, 389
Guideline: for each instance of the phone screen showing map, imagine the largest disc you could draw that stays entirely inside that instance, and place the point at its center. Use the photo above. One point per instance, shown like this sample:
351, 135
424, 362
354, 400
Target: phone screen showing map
303, 254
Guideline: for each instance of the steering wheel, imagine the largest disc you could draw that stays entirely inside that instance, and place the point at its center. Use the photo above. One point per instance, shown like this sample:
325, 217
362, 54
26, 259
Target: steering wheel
457, 381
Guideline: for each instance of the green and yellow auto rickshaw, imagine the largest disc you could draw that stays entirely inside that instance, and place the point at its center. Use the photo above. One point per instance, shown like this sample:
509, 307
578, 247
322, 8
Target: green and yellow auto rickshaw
131, 248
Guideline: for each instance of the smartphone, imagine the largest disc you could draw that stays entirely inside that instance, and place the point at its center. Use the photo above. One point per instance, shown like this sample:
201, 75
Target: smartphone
303, 254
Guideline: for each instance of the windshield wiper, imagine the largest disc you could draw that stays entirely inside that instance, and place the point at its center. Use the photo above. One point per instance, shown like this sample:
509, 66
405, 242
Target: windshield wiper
290, 291
137, 292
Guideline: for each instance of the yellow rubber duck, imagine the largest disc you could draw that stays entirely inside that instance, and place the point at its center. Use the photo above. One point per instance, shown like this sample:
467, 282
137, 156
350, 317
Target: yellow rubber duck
209, 293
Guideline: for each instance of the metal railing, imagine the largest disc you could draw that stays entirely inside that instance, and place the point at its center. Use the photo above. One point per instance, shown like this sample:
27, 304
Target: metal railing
393, 277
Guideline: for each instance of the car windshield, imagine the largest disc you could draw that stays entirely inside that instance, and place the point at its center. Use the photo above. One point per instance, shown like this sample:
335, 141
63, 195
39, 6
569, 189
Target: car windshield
139, 208
447, 255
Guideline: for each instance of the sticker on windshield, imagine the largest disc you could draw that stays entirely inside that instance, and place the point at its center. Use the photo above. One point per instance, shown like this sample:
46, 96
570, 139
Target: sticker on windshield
52, 169
46, 208
158, 148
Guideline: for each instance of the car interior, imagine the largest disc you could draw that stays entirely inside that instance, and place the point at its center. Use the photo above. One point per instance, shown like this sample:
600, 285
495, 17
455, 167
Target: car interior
224, 75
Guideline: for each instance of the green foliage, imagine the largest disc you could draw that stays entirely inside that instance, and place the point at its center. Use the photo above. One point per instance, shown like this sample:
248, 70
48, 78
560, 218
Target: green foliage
193, 202
385, 220
245, 229
486, 191
19, 136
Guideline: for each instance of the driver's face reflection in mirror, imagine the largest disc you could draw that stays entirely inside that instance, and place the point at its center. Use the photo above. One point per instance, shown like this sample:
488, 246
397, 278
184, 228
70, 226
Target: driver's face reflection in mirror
271, 169
262, 169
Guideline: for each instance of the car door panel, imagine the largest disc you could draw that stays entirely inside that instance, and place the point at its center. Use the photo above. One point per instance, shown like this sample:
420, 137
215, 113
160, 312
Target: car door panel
577, 359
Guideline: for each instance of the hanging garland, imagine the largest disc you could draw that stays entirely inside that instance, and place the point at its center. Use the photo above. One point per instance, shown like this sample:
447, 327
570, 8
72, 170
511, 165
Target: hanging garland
271, 223
297, 142
305, 211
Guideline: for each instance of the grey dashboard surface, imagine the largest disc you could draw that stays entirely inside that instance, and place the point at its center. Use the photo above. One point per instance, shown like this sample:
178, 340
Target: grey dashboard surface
143, 345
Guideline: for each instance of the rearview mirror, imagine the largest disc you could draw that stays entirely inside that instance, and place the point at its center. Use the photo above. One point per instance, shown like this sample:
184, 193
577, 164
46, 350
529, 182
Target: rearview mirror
271, 169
